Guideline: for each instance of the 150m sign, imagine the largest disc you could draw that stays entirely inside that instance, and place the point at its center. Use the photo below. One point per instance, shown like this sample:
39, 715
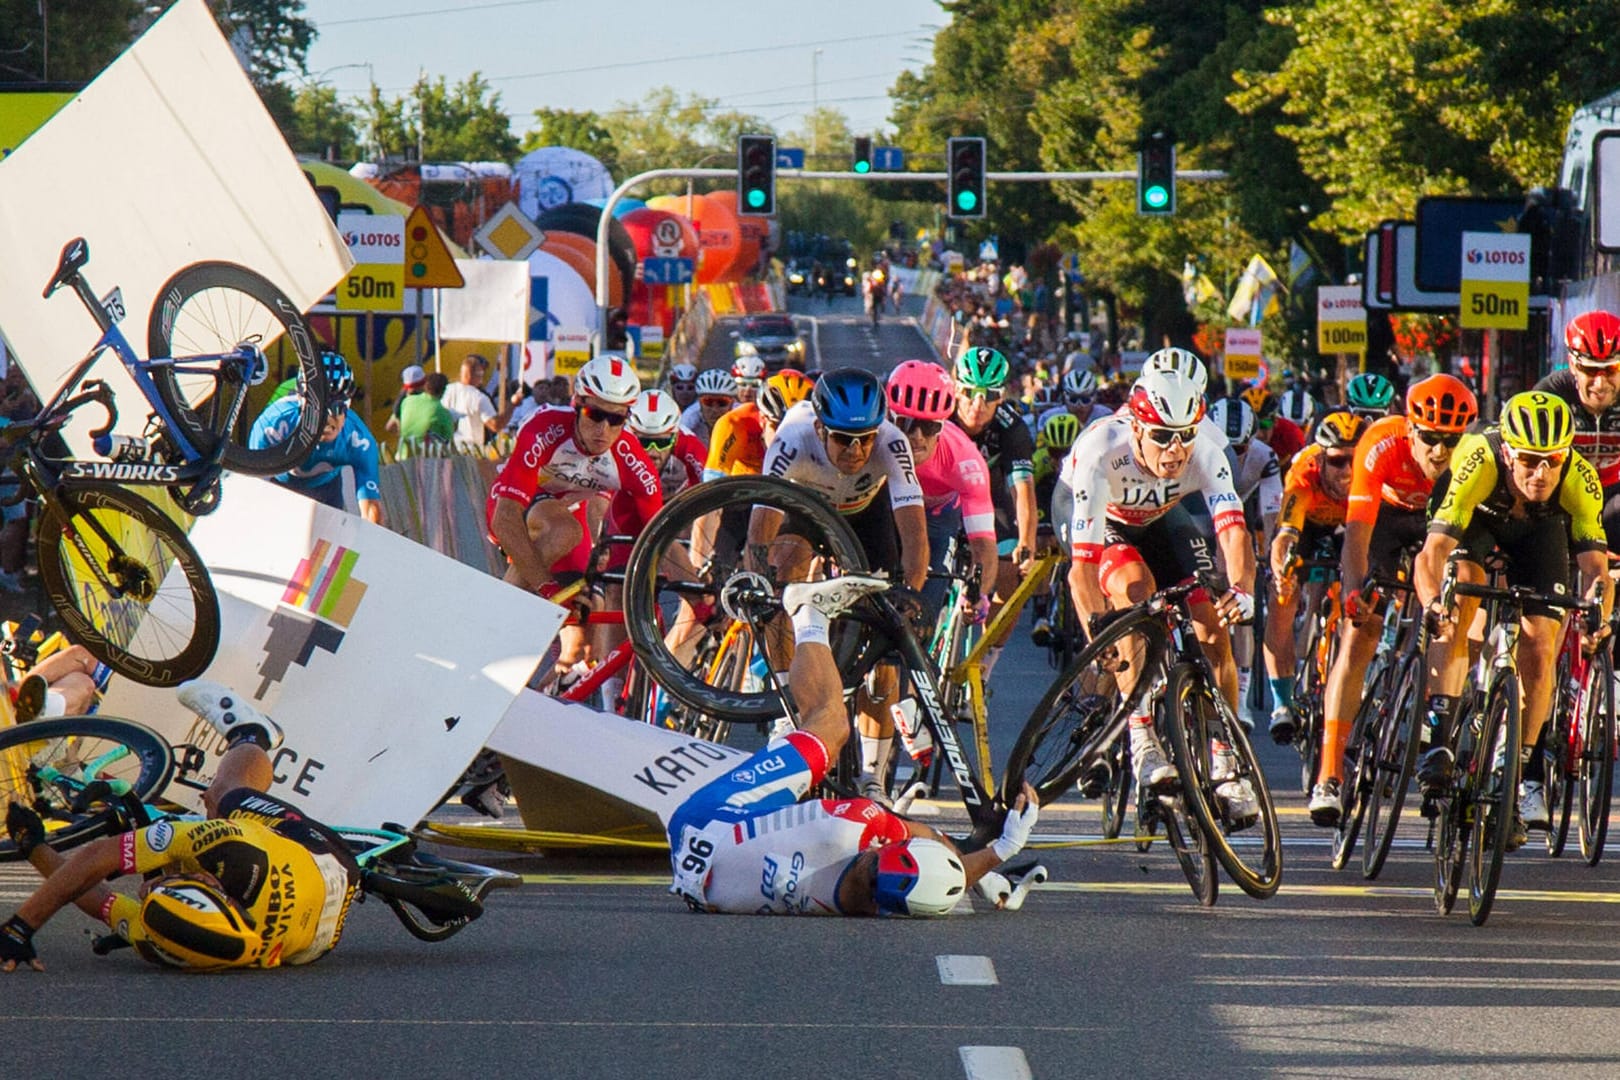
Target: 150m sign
372, 287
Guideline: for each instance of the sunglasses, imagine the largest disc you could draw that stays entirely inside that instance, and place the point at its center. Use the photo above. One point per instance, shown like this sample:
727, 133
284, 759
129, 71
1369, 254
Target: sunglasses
1531, 461
716, 402
981, 393
749, 384
853, 438
602, 416
1592, 369
925, 428
1164, 436
678, 385
658, 445
1337, 461
1448, 439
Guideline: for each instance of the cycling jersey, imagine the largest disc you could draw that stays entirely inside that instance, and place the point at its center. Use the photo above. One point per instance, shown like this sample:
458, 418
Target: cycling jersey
737, 444
1597, 437
295, 877
684, 465
799, 454
1286, 440
692, 420
354, 447
1110, 485
1258, 476
1385, 473
546, 461
1009, 452
1479, 485
1304, 501
956, 476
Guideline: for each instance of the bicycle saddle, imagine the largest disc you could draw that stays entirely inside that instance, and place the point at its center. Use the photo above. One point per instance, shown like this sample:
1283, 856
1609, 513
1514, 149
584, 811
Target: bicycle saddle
74, 257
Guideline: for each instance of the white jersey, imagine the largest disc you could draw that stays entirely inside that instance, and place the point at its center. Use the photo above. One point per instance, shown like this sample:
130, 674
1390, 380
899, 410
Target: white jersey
1109, 485
692, 420
798, 454
1258, 471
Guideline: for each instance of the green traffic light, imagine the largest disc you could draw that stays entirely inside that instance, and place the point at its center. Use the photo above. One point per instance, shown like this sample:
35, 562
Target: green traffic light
1156, 196
863, 166
756, 198
966, 200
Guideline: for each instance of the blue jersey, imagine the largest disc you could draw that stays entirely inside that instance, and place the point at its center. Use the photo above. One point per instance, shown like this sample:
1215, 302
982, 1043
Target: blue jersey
354, 446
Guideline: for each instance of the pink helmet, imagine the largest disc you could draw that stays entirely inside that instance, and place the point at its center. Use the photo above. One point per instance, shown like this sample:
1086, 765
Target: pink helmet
921, 389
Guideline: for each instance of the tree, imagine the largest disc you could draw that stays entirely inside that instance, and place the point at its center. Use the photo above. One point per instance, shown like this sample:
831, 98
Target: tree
72, 43
856, 212
666, 131
460, 123
581, 130
323, 124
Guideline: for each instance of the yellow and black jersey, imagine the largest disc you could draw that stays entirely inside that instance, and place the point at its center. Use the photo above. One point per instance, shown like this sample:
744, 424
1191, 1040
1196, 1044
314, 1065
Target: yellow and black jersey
1479, 485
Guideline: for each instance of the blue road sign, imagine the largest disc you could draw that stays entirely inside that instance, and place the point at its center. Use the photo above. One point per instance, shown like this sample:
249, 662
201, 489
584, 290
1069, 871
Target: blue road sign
789, 157
665, 271
889, 159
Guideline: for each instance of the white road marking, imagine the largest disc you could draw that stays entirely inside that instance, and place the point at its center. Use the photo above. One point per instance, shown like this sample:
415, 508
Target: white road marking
966, 971
994, 1063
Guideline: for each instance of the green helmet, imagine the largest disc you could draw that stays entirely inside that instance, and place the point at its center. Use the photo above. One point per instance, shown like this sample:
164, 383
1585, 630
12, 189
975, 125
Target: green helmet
1059, 431
981, 368
1370, 392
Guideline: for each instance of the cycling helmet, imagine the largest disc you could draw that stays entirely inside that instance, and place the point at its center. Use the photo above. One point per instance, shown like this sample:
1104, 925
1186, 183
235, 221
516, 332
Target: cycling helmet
1538, 422
918, 877
1235, 418
849, 399
610, 378
1594, 338
654, 414
1060, 431
682, 373
1369, 393
716, 381
1179, 360
748, 368
982, 368
1080, 387
339, 381
921, 389
782, 391
1339, 430
1260, 400
1298, 405
1166, 398
1441, 403
1045, 398
190, 923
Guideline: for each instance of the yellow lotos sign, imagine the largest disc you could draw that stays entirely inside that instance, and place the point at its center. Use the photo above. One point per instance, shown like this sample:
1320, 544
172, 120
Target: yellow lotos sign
372, 287
1341, 320
1495, 290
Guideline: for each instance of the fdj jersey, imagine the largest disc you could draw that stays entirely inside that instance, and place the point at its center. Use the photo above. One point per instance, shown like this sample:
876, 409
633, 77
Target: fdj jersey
354, 447
800, 455
1009, 452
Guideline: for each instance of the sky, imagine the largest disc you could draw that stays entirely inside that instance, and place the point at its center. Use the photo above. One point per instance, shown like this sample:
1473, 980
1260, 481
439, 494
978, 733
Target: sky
767, 57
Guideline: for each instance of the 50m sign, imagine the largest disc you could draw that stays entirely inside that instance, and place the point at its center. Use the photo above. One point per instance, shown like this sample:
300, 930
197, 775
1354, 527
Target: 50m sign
372, 287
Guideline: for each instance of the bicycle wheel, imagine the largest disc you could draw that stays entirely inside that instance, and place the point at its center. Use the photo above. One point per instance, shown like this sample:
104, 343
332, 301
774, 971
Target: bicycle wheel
1190, 843
1594, 776
50, 765
1394, 762
206, 311
1117, 798
1308, 704
128, 584
659, 571
1561, 757
1072, 721
1197, 722
1360, 755
1492, 784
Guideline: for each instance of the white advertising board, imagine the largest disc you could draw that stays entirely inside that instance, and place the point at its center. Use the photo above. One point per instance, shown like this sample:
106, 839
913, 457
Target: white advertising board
493, 305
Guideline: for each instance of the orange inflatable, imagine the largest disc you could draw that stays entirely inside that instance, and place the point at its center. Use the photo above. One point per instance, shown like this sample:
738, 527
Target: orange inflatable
717, 231
752, 230
580, 254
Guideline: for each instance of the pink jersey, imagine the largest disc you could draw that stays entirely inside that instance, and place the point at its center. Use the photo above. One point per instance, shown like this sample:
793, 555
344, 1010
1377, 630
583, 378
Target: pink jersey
546, 461
684, 466
957, 475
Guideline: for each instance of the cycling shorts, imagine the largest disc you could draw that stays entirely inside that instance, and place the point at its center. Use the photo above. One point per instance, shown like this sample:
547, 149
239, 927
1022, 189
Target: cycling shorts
943, 527
1396, 534
1174, 547
1536, 550
777, 776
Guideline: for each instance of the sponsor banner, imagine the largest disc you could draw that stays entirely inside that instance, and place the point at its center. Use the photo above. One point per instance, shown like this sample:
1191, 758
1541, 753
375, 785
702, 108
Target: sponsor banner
493, 305
372, 287
1242, 352
386, 664
373, 238
1341, 320
1495, 292
570, 350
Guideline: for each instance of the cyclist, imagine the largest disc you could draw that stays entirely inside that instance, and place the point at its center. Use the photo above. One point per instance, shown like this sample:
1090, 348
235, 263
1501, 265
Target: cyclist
1591, 389
745, 844
345, 442
737, 443
1519, 488
256, 885
717, 395
1130, 533
1396, 464
1281, 434
1299, 408
1316, 497
1052, 444
749, 371
841, 444
1258, 483
676, 453
1079, 393
1369, 395
683, 385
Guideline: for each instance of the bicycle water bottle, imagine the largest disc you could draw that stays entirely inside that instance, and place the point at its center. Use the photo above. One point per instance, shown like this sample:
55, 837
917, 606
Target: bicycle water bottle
917, 739
758, 679
120, 448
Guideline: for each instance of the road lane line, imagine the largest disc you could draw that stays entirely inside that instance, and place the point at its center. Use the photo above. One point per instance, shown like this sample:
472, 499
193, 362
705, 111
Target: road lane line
1360, 958
994, 1063
966, 970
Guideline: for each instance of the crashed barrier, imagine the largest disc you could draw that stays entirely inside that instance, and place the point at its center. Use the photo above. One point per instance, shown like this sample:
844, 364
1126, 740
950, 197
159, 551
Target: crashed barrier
439, 503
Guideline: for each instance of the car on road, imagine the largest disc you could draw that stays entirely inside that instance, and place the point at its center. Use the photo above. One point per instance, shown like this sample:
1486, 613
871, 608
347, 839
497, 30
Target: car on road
774, 338
801, 275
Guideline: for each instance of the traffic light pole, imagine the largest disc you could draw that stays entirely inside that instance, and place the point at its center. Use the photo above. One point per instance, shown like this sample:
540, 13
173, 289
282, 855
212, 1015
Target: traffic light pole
603, 225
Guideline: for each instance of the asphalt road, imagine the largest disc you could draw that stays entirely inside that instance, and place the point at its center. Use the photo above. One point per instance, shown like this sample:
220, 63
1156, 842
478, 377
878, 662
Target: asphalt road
1111, 969
838, 335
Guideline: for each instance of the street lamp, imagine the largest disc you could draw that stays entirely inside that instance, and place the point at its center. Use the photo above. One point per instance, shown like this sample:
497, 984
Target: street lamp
371, 118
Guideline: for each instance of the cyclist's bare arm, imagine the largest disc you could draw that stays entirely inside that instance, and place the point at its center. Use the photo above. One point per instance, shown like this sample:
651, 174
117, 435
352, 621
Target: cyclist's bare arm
75, 879
1353, 556
911, 522
1086, 585
1596, 584
1028, 518
985, 557
1282, 553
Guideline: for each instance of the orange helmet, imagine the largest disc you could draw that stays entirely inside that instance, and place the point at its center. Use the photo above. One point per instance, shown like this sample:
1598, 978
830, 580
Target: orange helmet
1441, 403
1593, 338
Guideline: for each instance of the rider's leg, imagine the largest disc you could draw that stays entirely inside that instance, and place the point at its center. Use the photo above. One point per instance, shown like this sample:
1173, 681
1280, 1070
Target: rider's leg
1537, 659
1280, 663
245, 765
554, 531
1342, 695
1126, 580
1217, 645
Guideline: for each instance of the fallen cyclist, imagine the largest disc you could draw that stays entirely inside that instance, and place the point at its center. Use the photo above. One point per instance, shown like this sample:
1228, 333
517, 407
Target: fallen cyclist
745, 844
255, 885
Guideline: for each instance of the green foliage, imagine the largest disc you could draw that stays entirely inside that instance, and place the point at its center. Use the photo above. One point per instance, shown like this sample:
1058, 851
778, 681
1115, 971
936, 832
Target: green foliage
79, 39
321, 121
463, 122
576, 129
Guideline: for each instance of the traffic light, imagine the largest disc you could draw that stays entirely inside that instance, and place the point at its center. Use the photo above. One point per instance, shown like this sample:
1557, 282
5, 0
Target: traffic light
1156, 175
964, 159
863, 154
756, 175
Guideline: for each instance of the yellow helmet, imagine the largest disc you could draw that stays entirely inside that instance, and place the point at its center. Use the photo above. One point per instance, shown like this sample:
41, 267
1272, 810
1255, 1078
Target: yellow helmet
1257, 397
189, 922
782, 391
1059, 431
1537, 422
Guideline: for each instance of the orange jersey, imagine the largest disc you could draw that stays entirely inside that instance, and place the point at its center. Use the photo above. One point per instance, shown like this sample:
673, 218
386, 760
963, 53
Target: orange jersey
737, 443
1304, 500
1385, 472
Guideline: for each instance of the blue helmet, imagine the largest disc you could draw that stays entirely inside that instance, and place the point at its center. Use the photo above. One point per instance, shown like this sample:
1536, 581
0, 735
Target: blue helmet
849, 399
339, 381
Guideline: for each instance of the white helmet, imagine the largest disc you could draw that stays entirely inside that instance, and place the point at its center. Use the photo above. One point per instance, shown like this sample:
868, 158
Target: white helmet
1080, 386
1166, 399
682, 373
1234, 417
716, 381
1298, 405
654, 414
1174, 359
608, 377
918, 877
749, 366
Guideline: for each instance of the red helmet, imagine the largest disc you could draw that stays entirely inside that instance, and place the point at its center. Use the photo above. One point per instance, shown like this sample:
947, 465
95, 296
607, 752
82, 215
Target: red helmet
1593, 338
